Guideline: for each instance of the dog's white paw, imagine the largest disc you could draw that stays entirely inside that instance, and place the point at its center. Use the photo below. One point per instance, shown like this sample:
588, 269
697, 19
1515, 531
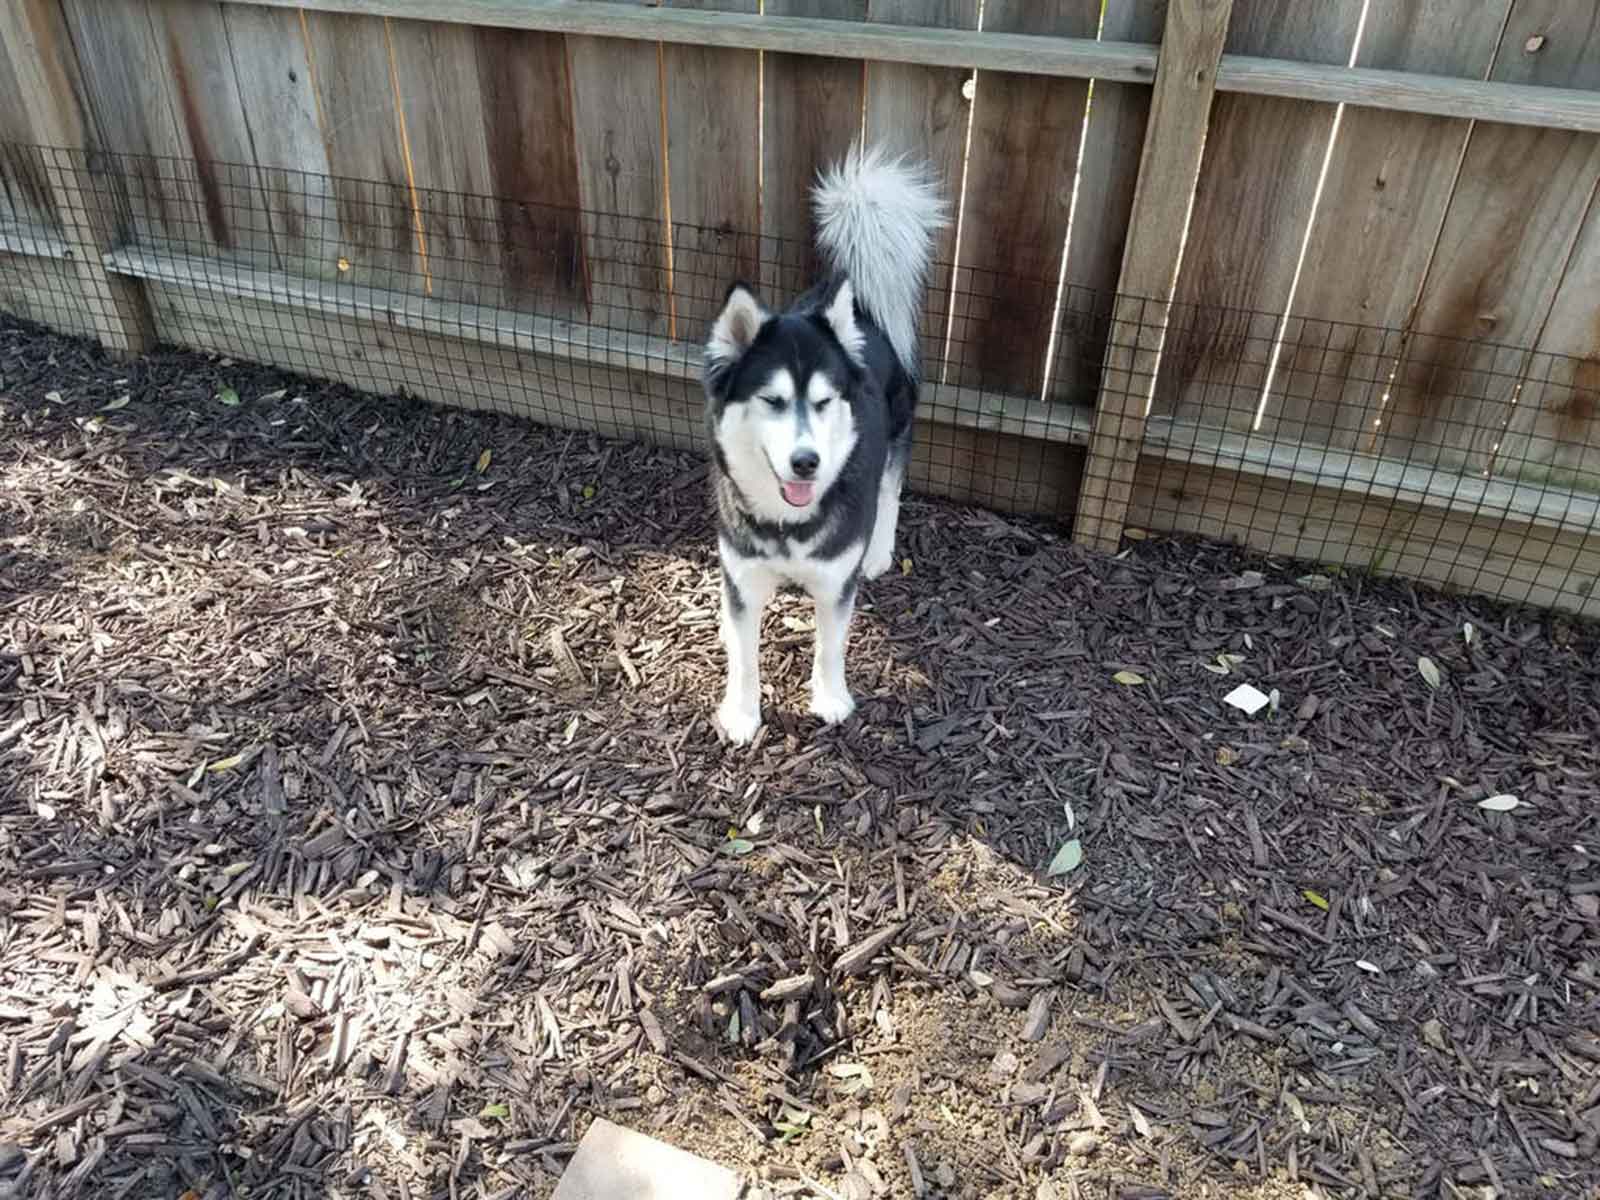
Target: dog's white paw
876, 562
739, 723
831, 707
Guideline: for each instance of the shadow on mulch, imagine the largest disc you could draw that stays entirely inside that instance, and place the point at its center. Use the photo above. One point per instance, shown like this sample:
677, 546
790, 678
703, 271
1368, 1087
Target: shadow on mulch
363, 832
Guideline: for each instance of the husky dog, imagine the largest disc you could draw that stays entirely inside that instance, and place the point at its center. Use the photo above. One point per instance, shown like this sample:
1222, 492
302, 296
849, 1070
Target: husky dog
810, 413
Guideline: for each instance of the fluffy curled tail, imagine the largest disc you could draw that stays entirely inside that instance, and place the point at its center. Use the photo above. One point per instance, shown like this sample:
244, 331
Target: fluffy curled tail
876, 218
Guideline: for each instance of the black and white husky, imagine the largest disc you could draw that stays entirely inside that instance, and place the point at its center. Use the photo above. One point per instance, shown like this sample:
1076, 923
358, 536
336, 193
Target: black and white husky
810, 413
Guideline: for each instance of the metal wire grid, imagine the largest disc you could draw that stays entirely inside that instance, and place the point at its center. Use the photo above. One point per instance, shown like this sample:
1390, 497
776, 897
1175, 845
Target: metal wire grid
1466, 464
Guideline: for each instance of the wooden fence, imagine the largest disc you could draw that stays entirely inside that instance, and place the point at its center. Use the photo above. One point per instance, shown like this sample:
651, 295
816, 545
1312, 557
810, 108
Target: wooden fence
1319, 277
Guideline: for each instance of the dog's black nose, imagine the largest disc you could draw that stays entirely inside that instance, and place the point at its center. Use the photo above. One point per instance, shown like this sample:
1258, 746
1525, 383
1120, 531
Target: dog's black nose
804, 463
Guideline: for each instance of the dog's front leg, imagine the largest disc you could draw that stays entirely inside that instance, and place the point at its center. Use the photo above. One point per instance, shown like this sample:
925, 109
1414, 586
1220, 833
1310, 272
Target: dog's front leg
830, 691
746, 588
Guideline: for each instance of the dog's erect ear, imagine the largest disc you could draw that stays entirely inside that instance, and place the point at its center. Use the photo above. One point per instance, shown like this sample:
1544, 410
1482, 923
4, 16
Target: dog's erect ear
841, 317
736, 326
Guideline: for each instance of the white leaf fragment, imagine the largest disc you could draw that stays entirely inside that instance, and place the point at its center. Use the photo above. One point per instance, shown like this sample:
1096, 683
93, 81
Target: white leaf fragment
1429, 671
1067, 858
1247, 699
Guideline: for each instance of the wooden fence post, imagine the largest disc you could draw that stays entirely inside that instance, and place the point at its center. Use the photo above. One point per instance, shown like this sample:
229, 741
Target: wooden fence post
1174, 141
33, 35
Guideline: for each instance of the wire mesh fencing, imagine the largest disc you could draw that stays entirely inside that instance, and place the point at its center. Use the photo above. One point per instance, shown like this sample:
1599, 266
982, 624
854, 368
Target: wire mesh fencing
1465, 464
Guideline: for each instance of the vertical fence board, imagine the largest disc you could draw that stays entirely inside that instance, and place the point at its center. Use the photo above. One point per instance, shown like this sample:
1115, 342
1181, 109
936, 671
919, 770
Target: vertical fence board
1169, 165
1023, 158
279, 103
446, 141
351, 70
811, 112
195, 64
1516, 210
116, 50
37, 46
1251, 205
527, 102
1554, 430
1108, 171
921, 111
1389, 181
616, 97
713, 172
25, 200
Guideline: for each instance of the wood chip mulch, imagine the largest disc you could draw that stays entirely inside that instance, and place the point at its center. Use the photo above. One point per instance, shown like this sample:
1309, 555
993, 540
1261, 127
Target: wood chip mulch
364, 833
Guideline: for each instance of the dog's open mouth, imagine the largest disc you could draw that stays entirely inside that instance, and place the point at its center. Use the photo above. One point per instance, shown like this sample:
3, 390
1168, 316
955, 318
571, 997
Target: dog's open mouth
797, 492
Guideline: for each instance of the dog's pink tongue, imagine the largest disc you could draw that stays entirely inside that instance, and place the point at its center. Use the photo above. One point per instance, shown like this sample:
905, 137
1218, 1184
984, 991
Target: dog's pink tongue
798, 492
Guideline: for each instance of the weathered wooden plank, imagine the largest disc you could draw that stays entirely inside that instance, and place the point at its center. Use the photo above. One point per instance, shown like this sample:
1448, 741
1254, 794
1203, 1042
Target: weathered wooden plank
617, 126
1381, 478
744, 29
378, 358
1251, 208
1483, 555
195, 66
922, 111
527, 102
44, 290
116, 47
279, 102
1512, 222
25, 200
713, 172
381, 240
1022, 161
811, 111
1404, 91
1553, 428
447, 148
1108, 171
1388, 182
35, 40
1169, 164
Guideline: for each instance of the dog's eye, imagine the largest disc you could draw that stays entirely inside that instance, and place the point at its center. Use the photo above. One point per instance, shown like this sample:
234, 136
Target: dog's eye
775, 403
823, 403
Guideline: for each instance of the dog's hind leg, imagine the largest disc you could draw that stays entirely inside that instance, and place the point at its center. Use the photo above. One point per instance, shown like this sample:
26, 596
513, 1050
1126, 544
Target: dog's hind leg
746, 588
830, 691
880, 550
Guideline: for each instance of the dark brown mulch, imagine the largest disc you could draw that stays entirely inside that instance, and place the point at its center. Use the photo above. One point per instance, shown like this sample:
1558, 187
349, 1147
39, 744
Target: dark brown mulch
363, 832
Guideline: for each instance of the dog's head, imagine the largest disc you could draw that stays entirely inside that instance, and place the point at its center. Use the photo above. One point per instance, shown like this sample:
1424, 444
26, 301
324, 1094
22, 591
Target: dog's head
782, 391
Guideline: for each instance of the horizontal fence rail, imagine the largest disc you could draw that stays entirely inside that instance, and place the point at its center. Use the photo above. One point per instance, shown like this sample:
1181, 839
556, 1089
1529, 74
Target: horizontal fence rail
1077, 58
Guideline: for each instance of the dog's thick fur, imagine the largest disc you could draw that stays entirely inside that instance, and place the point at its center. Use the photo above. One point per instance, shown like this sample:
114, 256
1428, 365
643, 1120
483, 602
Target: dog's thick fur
810, 413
